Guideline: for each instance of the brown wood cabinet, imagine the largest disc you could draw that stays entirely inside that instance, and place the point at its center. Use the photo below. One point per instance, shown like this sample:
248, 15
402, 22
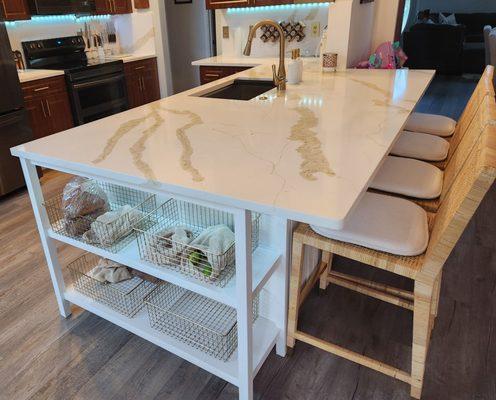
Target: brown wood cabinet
141, 4
15, 9
142, 82
213, 4
113, 6
212, 73
48, 106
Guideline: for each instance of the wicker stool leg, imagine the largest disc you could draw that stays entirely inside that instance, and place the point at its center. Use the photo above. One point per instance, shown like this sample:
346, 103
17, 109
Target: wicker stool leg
437, 292
294, 289
421, 335
326, 258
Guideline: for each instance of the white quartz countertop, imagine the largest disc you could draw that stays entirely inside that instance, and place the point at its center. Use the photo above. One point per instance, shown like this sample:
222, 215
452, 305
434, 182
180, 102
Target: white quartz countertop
27, 75
233, 61
132, 57
306, 154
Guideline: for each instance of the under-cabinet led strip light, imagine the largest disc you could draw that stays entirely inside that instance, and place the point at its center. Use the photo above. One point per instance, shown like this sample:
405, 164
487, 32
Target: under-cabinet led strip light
275, 8
58, 19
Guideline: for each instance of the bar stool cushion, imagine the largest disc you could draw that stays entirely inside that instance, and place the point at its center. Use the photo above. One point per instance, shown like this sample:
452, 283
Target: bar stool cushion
409, 177
421, 146
384, 223
432, 124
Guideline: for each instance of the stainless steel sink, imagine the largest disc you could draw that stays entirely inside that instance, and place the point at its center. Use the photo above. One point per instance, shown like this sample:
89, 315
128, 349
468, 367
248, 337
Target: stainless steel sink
241, 89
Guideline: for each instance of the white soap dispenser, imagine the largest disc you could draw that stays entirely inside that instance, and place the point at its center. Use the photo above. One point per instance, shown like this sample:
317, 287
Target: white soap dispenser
293, 74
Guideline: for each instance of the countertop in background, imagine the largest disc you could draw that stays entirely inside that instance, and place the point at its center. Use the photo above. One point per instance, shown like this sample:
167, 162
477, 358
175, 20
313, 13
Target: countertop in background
28, 75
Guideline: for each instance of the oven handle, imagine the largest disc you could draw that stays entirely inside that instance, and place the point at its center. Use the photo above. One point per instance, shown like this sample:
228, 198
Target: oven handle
98, 82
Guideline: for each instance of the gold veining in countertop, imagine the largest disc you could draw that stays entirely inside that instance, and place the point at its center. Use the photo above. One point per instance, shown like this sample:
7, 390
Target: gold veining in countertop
187, 151
138, 147
314, 160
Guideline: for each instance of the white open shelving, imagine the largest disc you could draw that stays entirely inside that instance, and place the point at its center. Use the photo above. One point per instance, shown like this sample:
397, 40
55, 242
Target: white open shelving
264, 337
264, 263
265, 268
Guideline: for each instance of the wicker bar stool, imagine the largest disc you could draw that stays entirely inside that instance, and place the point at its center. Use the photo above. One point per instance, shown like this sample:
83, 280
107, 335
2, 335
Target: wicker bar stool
469, 185
436, 149
424, 183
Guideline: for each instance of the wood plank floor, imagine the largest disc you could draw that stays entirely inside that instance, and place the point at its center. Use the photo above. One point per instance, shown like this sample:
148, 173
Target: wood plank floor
43, 356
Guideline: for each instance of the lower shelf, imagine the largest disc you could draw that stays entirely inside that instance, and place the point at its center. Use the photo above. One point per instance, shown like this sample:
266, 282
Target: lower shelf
264, 337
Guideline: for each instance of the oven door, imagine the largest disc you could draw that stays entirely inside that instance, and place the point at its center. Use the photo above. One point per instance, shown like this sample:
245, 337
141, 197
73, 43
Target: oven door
98, 97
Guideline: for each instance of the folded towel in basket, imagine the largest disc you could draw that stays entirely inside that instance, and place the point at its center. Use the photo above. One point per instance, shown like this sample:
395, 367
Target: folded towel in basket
109, 271
207, 255
167, 246
113, 226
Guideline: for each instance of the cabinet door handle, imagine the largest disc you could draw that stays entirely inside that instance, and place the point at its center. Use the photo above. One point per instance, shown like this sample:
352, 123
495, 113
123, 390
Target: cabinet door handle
42, 88
113, 4
142, 84
48, 108
43, 108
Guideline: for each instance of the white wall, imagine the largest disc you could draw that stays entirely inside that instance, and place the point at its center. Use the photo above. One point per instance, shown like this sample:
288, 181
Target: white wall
239, 23
461, 6
362, 26
351, 25
386, 12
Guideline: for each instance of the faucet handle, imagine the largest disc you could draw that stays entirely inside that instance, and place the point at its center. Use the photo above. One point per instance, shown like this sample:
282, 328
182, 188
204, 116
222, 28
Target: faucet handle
276, 77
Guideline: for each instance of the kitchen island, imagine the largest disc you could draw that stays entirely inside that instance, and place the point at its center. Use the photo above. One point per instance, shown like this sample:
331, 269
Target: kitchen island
306, 154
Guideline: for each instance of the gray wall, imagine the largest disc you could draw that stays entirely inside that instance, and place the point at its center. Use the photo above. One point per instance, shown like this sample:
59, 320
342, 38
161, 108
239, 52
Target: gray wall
462, 6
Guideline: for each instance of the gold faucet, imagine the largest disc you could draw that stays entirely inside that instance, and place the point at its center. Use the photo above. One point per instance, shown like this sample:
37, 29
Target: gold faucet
280, 76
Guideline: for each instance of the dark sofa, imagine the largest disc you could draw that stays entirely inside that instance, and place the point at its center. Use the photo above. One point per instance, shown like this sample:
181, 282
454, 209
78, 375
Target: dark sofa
449, 49
435, 46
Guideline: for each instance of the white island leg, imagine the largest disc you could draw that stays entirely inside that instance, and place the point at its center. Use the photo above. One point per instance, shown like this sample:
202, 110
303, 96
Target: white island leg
49, 247
242, 227
282, 239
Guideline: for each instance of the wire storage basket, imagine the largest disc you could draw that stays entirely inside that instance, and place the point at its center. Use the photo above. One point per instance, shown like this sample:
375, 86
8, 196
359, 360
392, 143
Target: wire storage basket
196, 320
110, 230
125, 297
162, 246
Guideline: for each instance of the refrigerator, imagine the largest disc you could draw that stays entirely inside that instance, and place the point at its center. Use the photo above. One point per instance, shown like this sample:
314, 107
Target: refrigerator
14, 122
191, 37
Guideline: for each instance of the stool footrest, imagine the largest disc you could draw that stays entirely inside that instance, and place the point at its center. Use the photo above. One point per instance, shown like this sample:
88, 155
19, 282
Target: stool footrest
397, 297
353, 356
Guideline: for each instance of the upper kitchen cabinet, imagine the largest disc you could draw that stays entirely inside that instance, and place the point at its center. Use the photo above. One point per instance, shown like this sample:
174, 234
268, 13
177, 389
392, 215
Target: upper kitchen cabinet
113, 6
15, 9
213, 4
141, 4
142, 82
60, 7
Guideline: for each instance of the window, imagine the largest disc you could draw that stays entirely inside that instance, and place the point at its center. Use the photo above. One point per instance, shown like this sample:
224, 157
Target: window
406, 14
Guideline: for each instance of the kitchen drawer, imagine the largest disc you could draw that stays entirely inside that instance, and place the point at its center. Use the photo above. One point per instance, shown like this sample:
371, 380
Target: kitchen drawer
43, 87
212, 73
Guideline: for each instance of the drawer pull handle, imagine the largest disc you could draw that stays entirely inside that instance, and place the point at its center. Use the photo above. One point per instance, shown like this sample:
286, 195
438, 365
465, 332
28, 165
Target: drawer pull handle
141, 67
212, 75
41, 88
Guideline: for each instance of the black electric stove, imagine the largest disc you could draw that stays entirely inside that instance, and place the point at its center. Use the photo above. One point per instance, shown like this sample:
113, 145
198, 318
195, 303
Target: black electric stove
96, 88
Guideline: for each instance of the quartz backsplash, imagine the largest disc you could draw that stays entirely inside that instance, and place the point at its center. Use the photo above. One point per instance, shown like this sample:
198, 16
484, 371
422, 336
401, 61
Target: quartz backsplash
135, 31
239, 20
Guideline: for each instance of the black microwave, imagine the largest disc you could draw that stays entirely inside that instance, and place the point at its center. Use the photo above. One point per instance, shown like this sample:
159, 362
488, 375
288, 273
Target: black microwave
59, 7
